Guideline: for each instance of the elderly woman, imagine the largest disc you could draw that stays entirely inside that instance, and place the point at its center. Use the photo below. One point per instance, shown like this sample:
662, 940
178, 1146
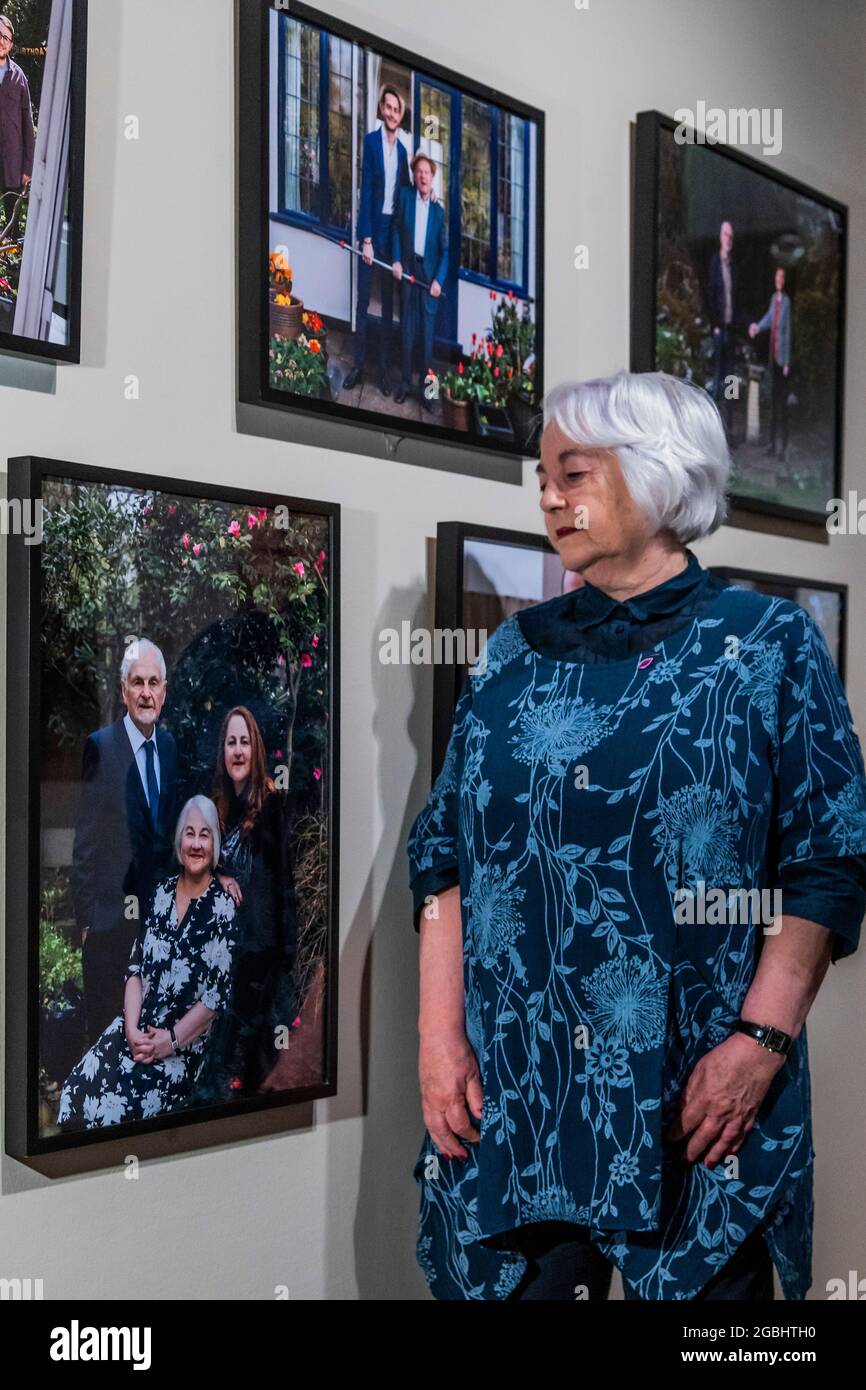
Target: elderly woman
147, 1061
613, 1058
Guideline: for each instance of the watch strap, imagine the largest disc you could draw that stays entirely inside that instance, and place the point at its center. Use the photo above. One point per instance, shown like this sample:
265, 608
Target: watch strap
773, 1039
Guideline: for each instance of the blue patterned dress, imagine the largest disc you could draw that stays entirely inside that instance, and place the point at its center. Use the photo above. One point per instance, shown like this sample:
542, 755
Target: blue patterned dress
716, 748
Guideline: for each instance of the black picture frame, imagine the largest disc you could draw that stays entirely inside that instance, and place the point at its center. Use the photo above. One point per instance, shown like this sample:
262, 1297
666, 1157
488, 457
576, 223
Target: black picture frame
785, 586
252, 20
15, 344
649, 128
24, 707
451, 541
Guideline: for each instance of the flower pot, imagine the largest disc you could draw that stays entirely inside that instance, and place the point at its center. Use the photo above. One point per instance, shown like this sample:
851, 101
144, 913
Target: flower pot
455, 413
525, 416
286, 319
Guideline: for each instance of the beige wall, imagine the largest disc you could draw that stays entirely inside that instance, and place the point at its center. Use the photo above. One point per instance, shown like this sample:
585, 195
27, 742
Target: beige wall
328, 1208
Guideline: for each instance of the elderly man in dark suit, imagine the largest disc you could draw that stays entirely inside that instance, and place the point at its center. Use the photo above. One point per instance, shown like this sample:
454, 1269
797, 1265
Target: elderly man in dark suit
384, 174
17, 136
123, 835
722, 309
419, 248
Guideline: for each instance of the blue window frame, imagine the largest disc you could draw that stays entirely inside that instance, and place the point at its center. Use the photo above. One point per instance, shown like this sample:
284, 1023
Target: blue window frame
494, 180
314, 165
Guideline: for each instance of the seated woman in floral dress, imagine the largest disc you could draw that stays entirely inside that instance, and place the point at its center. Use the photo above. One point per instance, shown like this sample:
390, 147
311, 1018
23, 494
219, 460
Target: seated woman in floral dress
147, 1060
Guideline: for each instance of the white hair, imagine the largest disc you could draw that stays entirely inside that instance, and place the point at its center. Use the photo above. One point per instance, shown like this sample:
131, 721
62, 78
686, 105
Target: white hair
209, 815
668, 437
135, 651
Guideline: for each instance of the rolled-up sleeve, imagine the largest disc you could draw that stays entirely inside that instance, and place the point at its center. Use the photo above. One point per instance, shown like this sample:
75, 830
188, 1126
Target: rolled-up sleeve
821, 793
432, 844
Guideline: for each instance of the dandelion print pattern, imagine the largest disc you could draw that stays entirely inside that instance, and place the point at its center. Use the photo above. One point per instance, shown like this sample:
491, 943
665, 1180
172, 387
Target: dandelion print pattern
587, 1004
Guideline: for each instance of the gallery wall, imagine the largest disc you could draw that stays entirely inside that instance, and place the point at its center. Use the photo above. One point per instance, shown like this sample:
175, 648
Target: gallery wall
323, 1202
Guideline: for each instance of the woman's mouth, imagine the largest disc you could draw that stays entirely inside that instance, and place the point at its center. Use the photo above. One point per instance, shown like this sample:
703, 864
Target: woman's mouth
565, 531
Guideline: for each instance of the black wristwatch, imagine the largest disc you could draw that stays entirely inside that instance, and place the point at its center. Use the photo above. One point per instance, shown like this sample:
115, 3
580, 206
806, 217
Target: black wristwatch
773, 1039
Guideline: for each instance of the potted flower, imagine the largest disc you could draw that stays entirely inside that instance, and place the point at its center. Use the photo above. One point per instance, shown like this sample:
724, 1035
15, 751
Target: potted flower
286, 310
298, 365
456, 398
314, 326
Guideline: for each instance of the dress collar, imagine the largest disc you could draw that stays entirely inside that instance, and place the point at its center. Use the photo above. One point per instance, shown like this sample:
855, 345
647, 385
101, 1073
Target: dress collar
593, 605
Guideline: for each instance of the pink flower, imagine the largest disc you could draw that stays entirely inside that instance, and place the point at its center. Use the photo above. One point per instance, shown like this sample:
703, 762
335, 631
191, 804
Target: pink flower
263, 513
306, 660
317, 773
299, 568
320, 561
251, 521
234, 528
315, 641
196, 550
185, 540
279, 753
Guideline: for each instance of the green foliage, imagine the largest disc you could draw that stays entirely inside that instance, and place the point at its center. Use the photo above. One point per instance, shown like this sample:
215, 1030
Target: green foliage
60, 969
237, 599
298, 365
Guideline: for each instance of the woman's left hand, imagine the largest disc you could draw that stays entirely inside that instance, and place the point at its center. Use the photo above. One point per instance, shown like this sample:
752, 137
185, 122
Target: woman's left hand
161, 1039
722, 1098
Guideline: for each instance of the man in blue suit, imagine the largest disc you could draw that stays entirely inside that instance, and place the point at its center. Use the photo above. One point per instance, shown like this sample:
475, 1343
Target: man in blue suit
777, 321
384, 173
722, 309
419, 245
124, 830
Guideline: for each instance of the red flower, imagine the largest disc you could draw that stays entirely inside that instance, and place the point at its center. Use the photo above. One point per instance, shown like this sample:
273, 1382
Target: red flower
475, 337
317, 773
315, 641
511, 294
299, 568
496, 371
499, 350
315, 345
185, 540
460, 369
319, 563
306, 660
234, 528
196, 550
263, 513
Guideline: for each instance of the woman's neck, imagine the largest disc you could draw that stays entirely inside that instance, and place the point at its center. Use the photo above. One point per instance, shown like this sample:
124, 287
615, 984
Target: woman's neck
194, 885
624, 576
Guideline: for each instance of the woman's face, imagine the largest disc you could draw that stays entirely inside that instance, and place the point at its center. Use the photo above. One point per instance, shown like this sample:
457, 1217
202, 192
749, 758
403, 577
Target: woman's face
238, 751
196, 846
589, 512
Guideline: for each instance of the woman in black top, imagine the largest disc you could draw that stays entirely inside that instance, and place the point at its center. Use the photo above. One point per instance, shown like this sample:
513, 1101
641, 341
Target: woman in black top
256, 851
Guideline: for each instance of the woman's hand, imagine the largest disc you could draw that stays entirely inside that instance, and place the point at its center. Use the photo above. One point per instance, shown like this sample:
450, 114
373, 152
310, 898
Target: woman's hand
232, 887
160, 1038
140, 1045
450, 1088
722, 1097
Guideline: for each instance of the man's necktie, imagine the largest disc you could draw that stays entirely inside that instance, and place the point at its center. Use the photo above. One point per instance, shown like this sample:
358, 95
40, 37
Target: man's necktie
152, 788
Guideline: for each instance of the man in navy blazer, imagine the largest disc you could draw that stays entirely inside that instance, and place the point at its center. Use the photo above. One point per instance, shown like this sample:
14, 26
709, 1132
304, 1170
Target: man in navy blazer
777, 322
722, 309
384, 173
124, 830
17, 136
419, 245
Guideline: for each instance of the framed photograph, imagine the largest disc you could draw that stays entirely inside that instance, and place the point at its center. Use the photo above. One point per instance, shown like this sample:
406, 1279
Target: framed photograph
823, 600
171, 947
483, 575
391, 236
43, 66
738, 284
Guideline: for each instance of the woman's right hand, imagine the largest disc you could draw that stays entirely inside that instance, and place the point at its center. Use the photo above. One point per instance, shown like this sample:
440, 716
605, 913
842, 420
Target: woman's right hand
451, 1091
140, 1045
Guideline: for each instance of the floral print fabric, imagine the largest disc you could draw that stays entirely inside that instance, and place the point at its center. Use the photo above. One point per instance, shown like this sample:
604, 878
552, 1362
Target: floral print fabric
725, 756
179, 965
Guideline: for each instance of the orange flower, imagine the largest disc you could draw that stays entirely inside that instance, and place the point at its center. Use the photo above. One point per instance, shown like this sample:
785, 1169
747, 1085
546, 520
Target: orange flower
315, 345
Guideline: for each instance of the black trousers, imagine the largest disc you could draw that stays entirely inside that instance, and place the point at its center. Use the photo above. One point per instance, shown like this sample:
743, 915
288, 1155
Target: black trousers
779, 417
104, 961
382, 252
562, 1262
416, 320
